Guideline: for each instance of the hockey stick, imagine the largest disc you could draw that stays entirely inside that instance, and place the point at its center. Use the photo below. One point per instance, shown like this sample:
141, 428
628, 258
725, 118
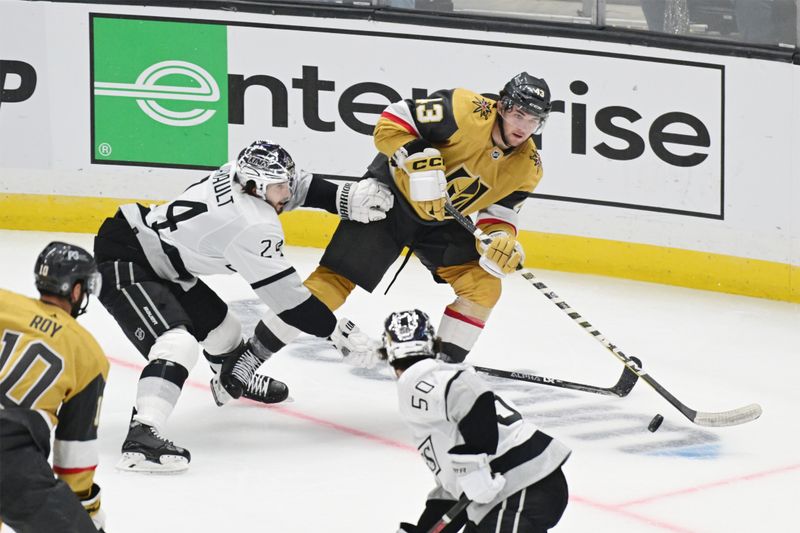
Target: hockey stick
623, 386
733, 417
451, 514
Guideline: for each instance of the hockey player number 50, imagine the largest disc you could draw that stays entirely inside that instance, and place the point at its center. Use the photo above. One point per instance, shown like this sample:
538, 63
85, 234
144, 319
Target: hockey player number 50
27, 380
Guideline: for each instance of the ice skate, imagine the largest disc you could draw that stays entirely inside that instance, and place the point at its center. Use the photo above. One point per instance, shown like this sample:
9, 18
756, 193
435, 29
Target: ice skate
261, 388
145, 450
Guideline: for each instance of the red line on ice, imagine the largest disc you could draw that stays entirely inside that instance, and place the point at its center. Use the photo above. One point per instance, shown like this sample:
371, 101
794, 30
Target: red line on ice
611, 508
288, 411
712, 485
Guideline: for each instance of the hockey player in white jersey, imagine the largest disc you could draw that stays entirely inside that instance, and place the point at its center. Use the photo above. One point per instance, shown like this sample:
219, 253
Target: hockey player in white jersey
474, 441
150, 259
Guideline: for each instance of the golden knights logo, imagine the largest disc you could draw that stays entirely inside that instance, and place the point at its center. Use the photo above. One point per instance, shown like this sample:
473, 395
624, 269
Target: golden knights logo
536, 158
464, 189
483, 107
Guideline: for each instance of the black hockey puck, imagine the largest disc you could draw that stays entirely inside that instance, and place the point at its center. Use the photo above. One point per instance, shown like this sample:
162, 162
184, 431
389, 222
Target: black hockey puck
655, 423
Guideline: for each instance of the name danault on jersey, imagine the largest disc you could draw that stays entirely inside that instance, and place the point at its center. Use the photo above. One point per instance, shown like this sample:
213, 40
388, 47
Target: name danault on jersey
221, 180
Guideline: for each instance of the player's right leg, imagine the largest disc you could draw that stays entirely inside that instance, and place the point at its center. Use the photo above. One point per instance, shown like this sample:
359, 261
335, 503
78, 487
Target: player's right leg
223, 343
149, 314
147, 311
450, 254
359, 254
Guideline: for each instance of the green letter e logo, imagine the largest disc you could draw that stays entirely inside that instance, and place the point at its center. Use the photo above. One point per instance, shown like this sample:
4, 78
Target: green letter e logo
159, 92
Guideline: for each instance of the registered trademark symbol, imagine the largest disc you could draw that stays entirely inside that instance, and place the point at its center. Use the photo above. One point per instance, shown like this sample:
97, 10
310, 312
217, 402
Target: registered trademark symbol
104, 149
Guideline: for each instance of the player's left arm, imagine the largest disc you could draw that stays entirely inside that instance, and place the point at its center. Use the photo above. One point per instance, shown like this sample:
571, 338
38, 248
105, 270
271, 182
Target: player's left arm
471, 405
257, 255
500, 220
75, 446
364, 201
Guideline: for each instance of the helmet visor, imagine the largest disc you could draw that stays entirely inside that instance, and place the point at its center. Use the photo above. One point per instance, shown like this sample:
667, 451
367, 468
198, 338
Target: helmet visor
94, 283
398, 349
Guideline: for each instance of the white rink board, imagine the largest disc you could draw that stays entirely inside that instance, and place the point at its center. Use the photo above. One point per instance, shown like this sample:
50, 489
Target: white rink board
736, 198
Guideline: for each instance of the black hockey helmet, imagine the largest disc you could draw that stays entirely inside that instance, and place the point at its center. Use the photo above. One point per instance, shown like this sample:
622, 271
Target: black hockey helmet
265, 163
528, 93
408, 336
60, 266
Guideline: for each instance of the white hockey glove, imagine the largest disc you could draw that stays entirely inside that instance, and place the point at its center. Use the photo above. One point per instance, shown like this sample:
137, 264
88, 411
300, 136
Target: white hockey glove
363, 201
502, 255
427, 183
475, 477
92, 505
357, 348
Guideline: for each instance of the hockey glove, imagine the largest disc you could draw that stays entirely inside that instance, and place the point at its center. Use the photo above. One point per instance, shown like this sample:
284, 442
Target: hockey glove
425, 168
357, 348
363, 201
92, 505
475, 477
502, 255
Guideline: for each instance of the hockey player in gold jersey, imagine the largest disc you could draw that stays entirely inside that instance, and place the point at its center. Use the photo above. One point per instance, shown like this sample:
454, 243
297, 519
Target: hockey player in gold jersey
52, 376
458, 146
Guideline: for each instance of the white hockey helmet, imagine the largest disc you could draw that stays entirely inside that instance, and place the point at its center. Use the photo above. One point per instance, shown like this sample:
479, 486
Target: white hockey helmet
408, 334
265, 163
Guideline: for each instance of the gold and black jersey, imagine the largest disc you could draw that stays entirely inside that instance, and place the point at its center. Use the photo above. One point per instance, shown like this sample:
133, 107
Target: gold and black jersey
51, 367
480, 176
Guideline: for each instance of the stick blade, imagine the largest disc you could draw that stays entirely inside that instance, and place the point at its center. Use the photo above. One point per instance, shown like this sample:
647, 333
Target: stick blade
627, 380
734, 417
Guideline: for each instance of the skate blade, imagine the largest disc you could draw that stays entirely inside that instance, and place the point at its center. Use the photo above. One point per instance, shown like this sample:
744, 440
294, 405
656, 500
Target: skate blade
136, 462
221, 396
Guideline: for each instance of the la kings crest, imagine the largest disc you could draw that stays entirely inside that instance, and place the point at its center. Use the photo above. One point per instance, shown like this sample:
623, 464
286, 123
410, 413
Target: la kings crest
464, 189
429, 455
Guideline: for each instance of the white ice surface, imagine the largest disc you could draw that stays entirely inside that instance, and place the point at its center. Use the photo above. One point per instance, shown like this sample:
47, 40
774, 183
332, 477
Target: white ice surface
337, 458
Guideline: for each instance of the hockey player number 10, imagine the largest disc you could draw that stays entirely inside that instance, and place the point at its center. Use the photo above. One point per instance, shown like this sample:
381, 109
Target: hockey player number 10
21, 386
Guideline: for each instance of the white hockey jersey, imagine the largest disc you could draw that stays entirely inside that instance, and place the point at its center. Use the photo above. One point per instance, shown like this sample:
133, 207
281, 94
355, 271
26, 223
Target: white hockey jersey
435, 400
215, 228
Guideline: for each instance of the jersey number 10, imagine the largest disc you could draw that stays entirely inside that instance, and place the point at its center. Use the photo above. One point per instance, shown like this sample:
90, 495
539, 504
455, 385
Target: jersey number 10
26, 381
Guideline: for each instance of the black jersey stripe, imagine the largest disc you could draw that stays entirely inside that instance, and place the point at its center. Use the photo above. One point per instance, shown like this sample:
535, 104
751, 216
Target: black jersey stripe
77, 417
311, 316
172, 253
272, 279
530, 449
447, 391
479, 427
